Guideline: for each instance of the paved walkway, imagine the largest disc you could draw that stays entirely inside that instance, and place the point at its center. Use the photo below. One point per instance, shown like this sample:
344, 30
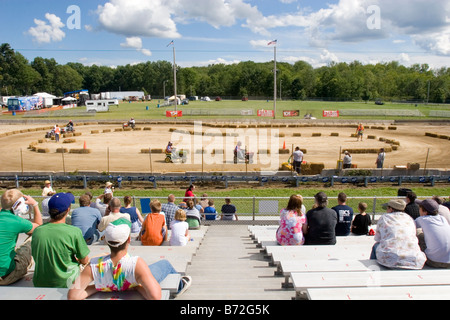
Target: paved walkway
229, 266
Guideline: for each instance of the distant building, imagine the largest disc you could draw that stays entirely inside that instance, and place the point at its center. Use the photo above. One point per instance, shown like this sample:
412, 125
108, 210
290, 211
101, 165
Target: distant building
121, 95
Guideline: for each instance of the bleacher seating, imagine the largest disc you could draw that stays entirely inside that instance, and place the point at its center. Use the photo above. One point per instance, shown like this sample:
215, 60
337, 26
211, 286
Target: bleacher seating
345, 272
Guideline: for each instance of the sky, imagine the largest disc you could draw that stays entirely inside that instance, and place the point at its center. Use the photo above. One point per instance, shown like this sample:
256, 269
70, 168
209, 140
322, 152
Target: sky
204, 32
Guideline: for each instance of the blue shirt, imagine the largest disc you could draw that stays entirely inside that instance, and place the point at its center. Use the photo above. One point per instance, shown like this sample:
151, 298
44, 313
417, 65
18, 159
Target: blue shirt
344, 219
210, 213
87, 219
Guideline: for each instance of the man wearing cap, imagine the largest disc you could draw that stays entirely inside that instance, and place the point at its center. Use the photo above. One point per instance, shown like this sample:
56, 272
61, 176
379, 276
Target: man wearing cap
434, 239
58, 249
14, 262
321, 223
396, 244
120, 272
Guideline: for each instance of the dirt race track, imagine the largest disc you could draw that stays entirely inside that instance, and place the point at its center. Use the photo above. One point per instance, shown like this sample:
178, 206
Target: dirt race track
121, 151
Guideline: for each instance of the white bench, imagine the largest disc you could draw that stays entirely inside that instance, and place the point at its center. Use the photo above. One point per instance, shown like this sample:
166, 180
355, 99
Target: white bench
366, 279
356, 252
288, 267
382, 293
19, 293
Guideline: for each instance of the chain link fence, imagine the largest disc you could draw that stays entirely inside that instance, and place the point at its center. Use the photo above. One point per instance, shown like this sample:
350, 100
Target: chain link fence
255, 210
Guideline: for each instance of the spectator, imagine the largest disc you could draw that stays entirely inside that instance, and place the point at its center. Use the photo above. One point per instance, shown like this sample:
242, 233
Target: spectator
198, 206
57, 133
101, 203
344, 216
447, 204
412, 209
298, 159
114, 214
189, 194
193, 217
396, 244
48, 189
87, 219
58, 249
154, 229
293, 224
180, 229
132, 271
321, 222
15, 261
109, 188
443, 210
210, 211
347, 161
380, 159
434, 239
228, 211
135, 214
169, 209
362, 221
204, 200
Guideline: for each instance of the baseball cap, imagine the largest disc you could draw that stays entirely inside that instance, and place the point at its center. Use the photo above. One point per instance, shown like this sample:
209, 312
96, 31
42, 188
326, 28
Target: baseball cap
61, 202
429, 205
117, 232
397, 204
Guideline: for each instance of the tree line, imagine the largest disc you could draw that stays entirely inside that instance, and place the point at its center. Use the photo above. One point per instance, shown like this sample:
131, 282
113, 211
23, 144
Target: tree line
336, 81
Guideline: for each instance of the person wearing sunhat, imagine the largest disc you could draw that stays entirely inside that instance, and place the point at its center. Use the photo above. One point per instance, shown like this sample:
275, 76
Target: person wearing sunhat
396, 244
108, 188
59, 250
433, 234
48, 190
132, 271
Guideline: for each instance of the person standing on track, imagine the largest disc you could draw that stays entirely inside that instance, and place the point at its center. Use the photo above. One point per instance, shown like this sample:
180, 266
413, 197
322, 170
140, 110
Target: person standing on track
359, 132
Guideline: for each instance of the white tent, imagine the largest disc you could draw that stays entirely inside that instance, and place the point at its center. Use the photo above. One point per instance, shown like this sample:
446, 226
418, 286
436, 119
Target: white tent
48, 98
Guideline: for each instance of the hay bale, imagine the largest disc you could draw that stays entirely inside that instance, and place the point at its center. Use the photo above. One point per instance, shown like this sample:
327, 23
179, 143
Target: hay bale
62, 150
69, 141
158, 151
284, 151
80, 151
316, 168
297, 134
118, 130
413, 166
67, 135
149, 129
263, 151
146, 151
43, 150
95, 131
371, 137
392, 128
106, 130
316, 134
128, 129
77, 134
280, 135
334, 134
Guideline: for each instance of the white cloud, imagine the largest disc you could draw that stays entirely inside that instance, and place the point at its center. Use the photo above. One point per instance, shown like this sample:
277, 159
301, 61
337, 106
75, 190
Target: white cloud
136, 43
47, 33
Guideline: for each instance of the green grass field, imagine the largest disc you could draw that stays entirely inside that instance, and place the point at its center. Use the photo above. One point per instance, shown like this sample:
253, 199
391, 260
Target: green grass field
222, 110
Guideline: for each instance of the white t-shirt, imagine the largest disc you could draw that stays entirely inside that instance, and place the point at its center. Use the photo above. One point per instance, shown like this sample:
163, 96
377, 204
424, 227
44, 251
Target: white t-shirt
436, 231
298, 156
178, 235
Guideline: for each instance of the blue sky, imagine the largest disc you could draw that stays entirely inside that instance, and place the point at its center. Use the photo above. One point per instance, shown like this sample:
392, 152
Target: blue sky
120, 32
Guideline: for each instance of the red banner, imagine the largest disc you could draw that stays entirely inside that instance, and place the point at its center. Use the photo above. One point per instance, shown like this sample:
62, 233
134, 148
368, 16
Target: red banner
174, 114
291, 113
331, 113
265, 113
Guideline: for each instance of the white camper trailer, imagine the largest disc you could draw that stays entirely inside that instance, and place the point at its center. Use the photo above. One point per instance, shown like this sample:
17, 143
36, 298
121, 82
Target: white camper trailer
98, 105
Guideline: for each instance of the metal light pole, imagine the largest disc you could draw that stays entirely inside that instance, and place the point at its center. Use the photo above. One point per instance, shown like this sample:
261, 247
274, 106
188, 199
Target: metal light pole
275, 81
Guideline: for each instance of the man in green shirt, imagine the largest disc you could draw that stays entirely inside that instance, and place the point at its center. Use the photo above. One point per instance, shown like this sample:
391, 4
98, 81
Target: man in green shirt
58, 249
14, 263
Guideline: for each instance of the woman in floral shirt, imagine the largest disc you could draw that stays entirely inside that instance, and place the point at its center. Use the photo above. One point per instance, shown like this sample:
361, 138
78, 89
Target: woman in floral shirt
396, 243
293, 223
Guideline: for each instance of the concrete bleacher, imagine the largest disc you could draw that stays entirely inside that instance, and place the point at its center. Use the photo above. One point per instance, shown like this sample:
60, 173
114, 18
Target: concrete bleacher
179, 257
344, 271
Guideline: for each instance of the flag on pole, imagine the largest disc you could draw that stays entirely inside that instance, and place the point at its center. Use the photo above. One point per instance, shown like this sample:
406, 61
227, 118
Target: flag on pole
171, 43
272, 42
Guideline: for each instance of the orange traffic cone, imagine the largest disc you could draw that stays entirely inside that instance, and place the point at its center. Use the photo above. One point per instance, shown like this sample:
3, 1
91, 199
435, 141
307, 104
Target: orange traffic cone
284, 145
84, 147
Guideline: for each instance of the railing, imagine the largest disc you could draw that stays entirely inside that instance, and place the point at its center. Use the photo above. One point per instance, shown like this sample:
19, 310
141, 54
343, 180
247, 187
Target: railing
225, 180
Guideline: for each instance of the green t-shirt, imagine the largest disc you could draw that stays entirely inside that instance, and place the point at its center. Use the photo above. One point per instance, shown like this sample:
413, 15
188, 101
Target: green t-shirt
54, 248
10, 228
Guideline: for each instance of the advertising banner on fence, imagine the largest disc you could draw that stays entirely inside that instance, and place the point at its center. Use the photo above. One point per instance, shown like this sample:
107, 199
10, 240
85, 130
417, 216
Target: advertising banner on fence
291, 113
331, 113
265, 113
174, 114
